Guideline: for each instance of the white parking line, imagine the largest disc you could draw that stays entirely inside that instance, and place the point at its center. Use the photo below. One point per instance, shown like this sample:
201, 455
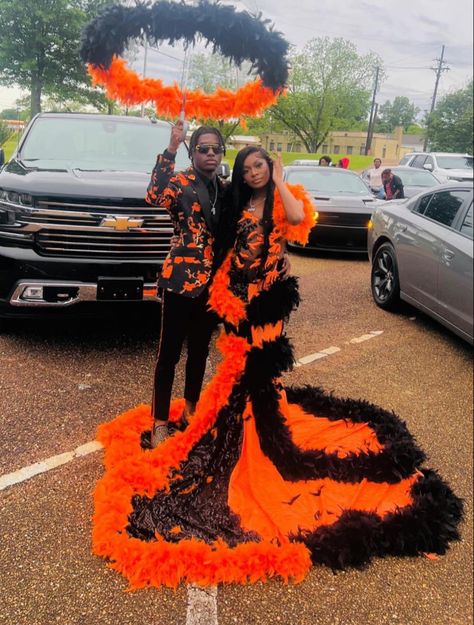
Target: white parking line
46, 465
26, 473
329, 351
202, 606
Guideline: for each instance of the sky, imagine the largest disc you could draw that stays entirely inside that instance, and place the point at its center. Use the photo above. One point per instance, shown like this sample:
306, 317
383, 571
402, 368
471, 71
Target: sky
407, 34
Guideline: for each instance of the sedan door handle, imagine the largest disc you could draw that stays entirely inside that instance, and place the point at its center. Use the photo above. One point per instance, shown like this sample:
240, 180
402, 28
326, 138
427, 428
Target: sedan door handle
448, 255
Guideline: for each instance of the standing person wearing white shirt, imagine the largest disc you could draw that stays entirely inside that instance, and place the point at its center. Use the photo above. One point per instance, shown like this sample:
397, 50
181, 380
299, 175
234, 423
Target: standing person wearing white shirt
374, 176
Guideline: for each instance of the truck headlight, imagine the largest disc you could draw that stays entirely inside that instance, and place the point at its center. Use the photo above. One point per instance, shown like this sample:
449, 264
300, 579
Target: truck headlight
14, 197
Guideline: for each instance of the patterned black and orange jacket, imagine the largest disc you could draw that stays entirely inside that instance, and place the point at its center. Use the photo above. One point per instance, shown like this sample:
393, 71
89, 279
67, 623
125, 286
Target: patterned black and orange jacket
188, 266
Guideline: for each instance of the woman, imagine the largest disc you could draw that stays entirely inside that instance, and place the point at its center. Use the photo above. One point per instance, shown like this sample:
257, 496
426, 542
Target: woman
264, 480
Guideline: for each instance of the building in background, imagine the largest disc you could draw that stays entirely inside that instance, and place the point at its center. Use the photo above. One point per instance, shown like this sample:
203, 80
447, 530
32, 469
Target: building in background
237, 142
389, 147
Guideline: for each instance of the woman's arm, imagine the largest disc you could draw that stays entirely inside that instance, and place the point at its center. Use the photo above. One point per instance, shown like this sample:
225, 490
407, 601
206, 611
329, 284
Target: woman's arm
293, 207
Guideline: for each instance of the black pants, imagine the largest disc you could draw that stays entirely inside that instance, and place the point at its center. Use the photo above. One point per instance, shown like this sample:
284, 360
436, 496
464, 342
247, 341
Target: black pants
182, 318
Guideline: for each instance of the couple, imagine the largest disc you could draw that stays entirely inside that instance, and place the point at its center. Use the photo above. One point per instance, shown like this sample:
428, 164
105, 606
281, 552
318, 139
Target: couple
209, 218
264, 480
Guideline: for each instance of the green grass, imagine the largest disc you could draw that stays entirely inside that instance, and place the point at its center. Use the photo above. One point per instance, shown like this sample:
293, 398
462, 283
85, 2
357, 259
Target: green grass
357, 163
10, 145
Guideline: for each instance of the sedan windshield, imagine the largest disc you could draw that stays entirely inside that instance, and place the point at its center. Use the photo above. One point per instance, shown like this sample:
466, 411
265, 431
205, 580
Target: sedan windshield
416, 177
455, 162
97, 145
328, 181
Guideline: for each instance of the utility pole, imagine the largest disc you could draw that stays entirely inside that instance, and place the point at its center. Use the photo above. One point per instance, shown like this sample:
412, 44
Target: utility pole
370, 133
145, 59
370, 130
439, 69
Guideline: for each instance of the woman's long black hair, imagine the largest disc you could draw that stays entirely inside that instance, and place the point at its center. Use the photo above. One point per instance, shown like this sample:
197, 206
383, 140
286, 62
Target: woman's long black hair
241, 194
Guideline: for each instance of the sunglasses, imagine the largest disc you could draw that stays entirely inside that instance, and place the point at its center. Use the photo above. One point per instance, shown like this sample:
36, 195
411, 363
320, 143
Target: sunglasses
204, 148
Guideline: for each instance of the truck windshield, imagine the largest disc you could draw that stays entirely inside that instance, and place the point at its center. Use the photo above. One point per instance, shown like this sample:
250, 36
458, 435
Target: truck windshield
97, 144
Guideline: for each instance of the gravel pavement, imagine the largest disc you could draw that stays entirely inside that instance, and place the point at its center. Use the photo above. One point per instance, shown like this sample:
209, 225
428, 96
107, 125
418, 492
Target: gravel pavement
59, 381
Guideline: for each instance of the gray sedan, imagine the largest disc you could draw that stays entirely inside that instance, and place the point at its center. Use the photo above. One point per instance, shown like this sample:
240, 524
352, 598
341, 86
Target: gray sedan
344, 205
421, 251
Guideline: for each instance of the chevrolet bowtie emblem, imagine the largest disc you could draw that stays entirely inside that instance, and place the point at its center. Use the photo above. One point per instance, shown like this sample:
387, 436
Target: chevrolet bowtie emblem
121, 223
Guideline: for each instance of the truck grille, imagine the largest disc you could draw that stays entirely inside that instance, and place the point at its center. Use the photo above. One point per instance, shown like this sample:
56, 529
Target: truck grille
123, 245
76, 229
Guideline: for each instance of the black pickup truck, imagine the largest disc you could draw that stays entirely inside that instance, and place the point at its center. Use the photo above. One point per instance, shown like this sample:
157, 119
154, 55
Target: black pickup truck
75, 230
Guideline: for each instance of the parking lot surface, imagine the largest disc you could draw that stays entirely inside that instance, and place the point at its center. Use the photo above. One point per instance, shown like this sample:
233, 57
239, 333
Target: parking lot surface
59, 381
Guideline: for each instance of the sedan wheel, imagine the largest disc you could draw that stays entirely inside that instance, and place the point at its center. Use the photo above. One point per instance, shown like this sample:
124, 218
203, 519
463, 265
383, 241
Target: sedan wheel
384, 279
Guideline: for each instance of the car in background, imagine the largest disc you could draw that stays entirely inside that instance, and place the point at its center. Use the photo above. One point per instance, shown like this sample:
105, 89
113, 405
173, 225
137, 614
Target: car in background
306, 162
414, 180
446, 166
421, 251
75, 230
344, 204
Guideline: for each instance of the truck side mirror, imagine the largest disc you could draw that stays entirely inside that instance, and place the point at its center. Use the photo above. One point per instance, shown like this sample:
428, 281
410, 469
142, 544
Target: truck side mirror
223, 171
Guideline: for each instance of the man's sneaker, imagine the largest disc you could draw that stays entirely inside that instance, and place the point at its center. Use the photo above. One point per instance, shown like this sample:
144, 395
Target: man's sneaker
159, 433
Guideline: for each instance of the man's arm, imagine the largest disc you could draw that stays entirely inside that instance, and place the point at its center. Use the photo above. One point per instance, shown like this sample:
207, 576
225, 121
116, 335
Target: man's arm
399, 191
157, 193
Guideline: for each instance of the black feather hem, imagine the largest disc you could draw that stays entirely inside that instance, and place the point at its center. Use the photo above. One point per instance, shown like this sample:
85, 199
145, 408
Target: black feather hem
427, 526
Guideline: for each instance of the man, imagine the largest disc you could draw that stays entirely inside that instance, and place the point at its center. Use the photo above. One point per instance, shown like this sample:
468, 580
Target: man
374, 177
193, 199
393, 186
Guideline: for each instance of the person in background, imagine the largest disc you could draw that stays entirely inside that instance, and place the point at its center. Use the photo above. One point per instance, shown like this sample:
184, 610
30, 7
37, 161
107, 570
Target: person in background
393, 186
374, 177
343, 163
325, 161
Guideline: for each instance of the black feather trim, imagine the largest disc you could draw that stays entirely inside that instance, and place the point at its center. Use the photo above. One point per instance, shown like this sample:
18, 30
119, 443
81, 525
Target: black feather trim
267, 362
398, 460
427, 526
391, 431
275, 304
237, 35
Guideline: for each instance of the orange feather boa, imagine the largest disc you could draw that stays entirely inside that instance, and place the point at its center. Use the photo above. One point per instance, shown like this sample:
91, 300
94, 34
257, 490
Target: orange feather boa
126, 86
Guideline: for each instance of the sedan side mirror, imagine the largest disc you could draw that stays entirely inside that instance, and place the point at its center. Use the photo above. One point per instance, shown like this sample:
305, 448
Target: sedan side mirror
428, 166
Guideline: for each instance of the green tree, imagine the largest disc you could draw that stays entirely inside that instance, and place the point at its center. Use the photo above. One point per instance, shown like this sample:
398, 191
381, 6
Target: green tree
449, 127
400, 112
209, 71
39, 43
329, 89
9, 114
415, 129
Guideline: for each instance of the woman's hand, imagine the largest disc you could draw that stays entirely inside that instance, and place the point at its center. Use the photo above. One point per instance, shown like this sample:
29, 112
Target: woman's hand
278, 171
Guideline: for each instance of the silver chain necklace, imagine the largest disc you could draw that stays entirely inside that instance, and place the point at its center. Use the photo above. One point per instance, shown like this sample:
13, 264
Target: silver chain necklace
213, 204
252, 206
